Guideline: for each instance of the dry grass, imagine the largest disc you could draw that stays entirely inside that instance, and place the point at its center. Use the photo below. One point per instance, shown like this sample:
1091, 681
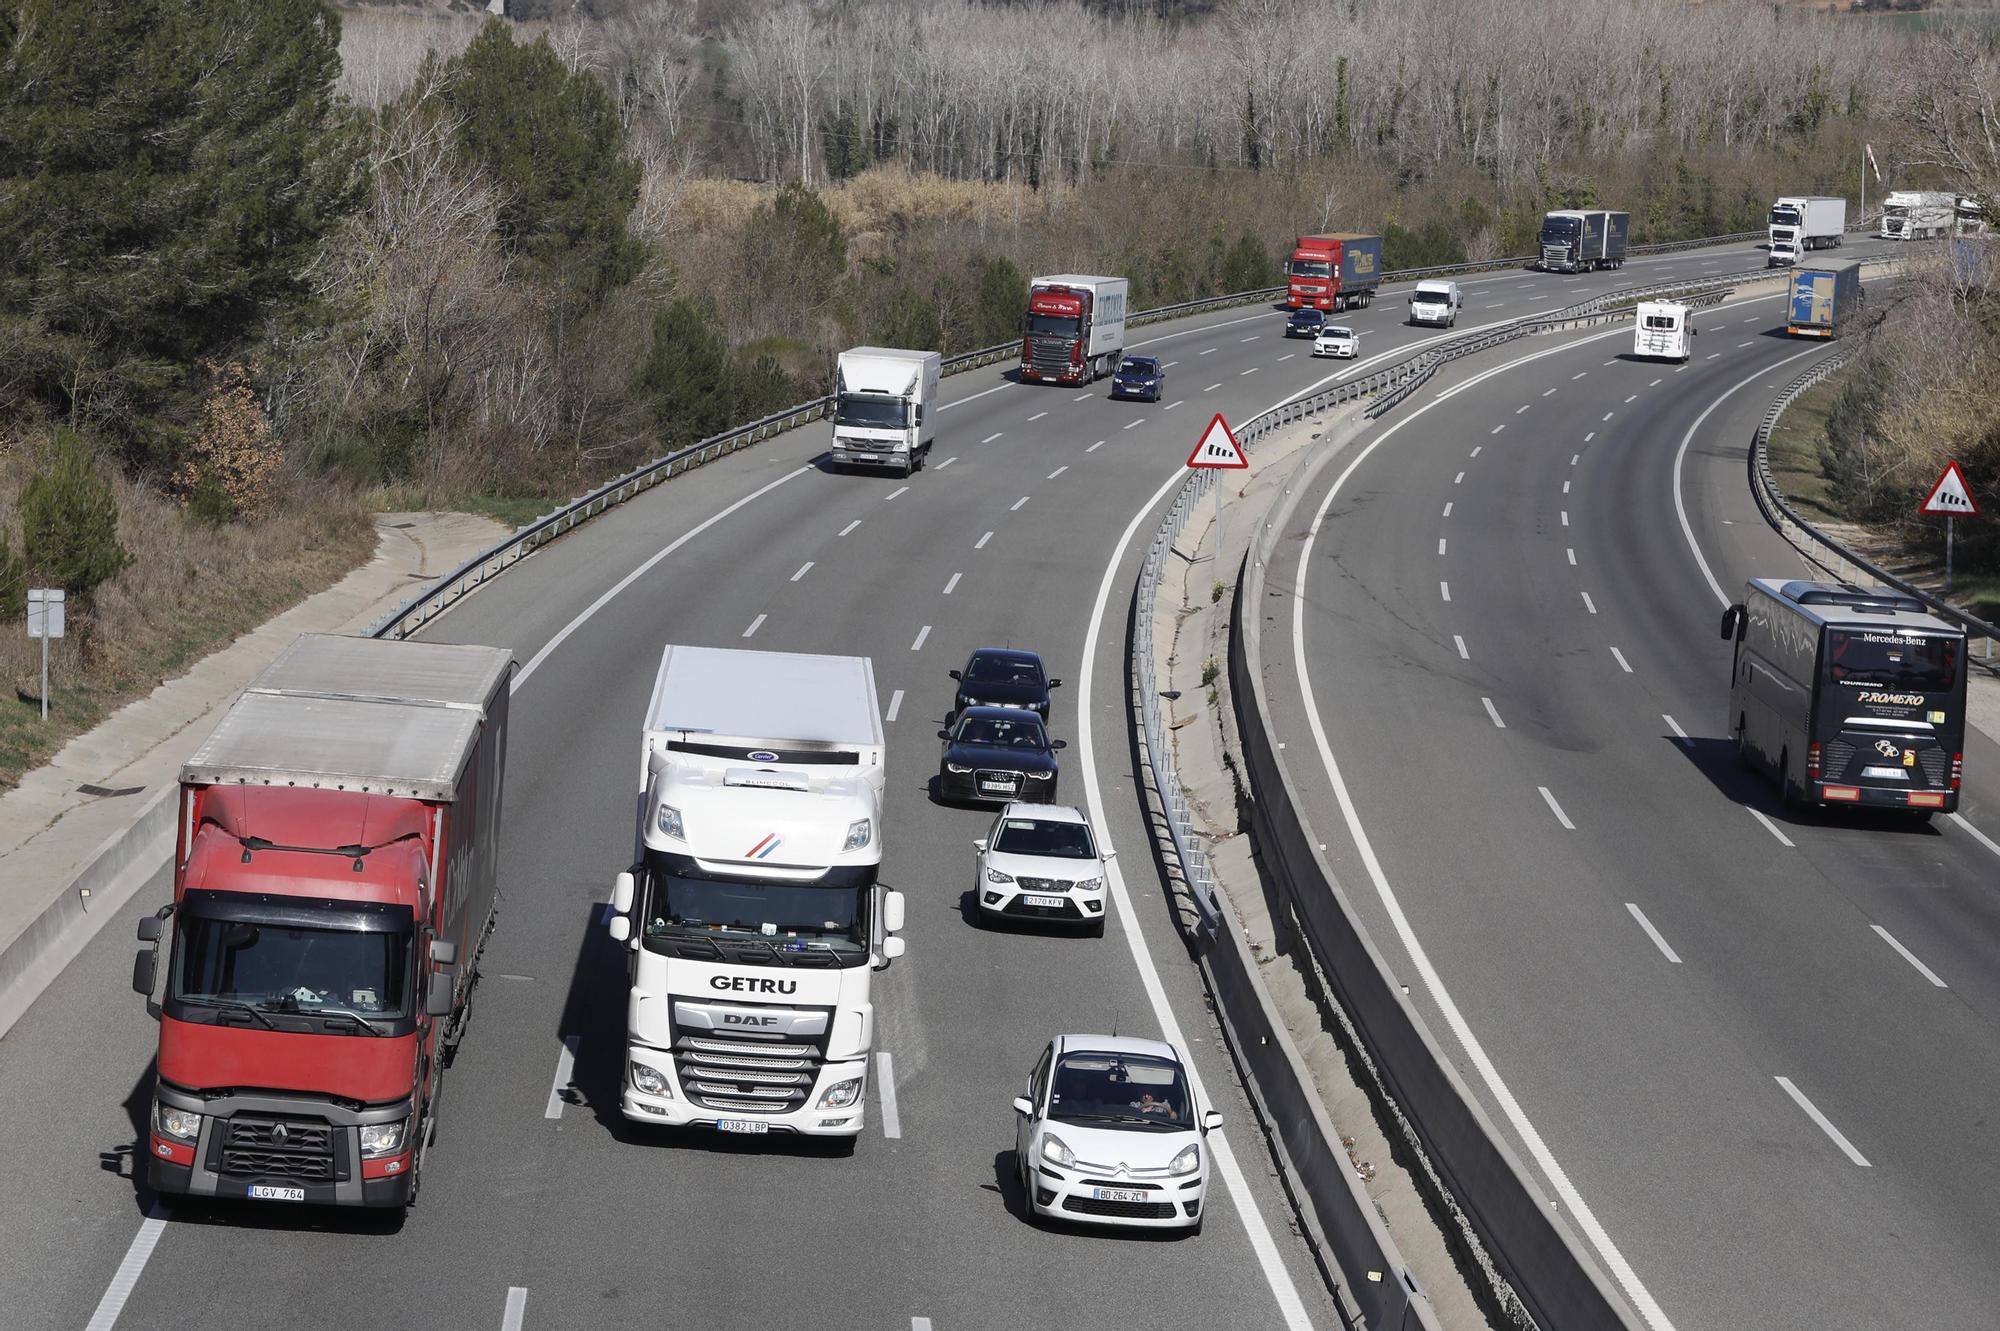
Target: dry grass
190, 589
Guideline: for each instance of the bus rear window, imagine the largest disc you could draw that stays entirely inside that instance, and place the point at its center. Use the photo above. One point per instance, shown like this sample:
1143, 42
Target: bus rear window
1921, 663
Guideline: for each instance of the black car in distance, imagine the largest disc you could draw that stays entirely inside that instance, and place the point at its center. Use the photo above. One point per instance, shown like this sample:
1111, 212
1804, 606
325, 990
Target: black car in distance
1003, 677
1305, 323
997, 754
1141, 377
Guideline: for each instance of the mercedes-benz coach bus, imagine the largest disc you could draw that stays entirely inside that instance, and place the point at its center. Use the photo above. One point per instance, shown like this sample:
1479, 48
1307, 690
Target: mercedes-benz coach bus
1848, 695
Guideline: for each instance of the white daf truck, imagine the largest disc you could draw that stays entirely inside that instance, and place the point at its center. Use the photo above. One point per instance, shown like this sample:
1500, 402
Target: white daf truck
753, 915
885, 408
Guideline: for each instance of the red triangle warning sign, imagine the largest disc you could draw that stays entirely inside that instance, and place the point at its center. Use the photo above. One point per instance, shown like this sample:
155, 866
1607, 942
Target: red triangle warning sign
1218, 447
1949, 497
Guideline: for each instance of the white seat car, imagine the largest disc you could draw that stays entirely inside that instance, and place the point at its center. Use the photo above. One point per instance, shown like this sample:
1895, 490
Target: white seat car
1111, 1132
1040, 862
1334, 340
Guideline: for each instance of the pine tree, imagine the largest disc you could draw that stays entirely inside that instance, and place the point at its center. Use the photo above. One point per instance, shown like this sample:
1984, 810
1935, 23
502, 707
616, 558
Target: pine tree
687, 377
69, 521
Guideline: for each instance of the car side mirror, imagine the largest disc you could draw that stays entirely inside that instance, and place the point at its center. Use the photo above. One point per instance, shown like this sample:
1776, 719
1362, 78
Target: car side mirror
1729, 619
1058, 743
980, 846
894, 911
944, 734
438, 999
619, 927
1108, 856
1023, 1105
1055, 683
1211, 1121
621, 893
444, 952
956, 674
149, 928
145, 969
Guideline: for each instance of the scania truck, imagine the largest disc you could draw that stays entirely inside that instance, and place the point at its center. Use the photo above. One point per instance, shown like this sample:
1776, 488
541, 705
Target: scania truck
1333, 271
1580, 240
754, 917
1074, 329
1803, 222
334, 875
885, 407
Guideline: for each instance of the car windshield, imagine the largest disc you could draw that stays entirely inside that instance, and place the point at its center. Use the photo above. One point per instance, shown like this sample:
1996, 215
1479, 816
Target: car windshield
289, 967
880, 413
682, 902
1003, 732
1052, 840
1002, 670
1311, 268
1054, 325
1129, 1090
1919, 662
1338, 334
1136, 367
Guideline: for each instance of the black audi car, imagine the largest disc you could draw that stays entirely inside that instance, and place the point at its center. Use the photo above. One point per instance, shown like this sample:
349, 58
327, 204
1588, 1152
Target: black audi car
997, 754
1305, 323
1003, 677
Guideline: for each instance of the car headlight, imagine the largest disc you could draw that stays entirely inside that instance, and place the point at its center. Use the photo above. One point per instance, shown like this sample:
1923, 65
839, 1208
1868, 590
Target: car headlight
995, 876
1089, 884
670, 823
954, 767
650, 1080
1038, 776
1055, 1152
1188, 1161
858, 832
842, 1095
380, 1139
182, 1125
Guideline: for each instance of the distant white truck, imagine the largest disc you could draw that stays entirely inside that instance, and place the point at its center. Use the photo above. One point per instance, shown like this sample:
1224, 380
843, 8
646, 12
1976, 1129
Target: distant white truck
885, 407
1663, 330
1436, 304
1918, 214
1804, 222
754, 917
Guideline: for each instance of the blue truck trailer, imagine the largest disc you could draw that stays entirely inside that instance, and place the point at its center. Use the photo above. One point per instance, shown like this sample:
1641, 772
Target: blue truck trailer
1824, 298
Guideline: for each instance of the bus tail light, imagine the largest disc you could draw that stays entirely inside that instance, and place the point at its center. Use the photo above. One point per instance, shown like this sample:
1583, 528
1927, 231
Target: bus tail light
1848, 793
1922, 801
1957, 770
1812, 762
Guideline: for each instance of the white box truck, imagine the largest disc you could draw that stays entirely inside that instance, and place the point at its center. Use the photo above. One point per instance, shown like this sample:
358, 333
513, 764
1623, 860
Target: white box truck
1803, 222
1918, 214
1074, 329
1436, 304
754, 917
885, 407
1663, 330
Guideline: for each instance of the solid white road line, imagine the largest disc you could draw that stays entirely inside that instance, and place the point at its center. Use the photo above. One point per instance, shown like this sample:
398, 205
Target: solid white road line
1463, 655
1675, 726
1444, 590
1910, 957
1977, 835
951, 584
991, 437
514, 1316
755, 624
1589, 604
850, 526
1493, 712
885, 1085
1015, 507
1651, 932
1268, 1258
804, 569
922, 633
1059, 471
895, 705
1555, 808
565, 1072
1826, 1126
1620, 658
901, 489
980, 544
126, 1278
1772, 828
1037, 416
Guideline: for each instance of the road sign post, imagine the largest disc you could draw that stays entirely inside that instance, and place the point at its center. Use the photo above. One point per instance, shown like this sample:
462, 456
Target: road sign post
1949, 499
1218, 451
45, 621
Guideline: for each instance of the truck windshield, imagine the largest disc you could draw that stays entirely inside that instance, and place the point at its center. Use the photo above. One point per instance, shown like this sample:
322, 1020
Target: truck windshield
793, 919
1054, 325
874, 413
1559, 229
1784, 217
1919, 663
1311, 268
288, 965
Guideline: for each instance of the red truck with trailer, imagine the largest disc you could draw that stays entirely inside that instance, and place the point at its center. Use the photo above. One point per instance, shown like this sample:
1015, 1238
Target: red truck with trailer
334, 880
1333, 271
1073, 331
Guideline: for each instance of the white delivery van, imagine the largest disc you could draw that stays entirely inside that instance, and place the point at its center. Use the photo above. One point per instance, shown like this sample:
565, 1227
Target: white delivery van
885, 407
1436, 303
1663, 330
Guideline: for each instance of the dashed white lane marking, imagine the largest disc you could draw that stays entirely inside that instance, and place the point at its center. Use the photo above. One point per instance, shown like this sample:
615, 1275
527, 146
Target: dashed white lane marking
1825, 1124
1440, 545
1772, 828
1652, 933
1475, 450
850, 526
1136, 424
1611, 362
1575, 458
1524, 406
1463, 655
922, 633
1037, 416
804, 569
1211, 388
1713, 355
1751, 320
991, 437
1458, 479
1168, 365
1100, 443
1444, 590
514, 1316
920, 1324
1498, 428
1680, 369
1586, 439
1252, 338
1288, 355
1741, 345
565, 1072
1571, 551
1210, 351
1082, 397
1675, 726
1251, 370
885, 1084
1565, 487
1609, 414
1633, 398
1169, 407
953, 583
1589, 604
1493, 712
1578, 375
1556, 809
1623, 664
947, 462
980, 544
1058, 471
1909, 956
1447, 509
755, 624
1565, 517
1550, 392
895, 705
1496, 305
126, 1279
1655, 384
1015, 507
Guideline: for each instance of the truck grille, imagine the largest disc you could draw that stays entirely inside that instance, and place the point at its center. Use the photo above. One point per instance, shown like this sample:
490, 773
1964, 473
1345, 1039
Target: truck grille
277, 1147
1051, 357
748, 1073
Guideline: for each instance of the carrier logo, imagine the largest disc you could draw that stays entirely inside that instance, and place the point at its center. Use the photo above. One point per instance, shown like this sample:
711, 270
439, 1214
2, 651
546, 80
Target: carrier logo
1894, 699
745, 984
1886, 749
762, 850
761, 756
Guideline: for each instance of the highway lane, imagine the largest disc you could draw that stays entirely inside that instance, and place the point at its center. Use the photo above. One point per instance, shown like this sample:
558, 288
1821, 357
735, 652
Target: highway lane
962, 1015
1613, 911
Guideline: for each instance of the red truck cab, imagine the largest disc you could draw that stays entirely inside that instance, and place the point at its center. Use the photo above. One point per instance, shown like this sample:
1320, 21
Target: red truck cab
1334, 271
333, 882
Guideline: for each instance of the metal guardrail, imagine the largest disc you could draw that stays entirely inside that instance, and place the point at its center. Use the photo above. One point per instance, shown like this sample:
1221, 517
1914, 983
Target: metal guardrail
1785, 520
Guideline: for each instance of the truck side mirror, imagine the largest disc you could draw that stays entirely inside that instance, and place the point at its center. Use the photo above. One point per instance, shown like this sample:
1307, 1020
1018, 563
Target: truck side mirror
620, 928
149, 928
1729, 620
893, 947
893, 911
145, 969
438, 998
444, 952
621, 893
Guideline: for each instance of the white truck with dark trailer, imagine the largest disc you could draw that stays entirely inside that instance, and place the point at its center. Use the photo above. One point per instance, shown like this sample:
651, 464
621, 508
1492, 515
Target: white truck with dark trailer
1803, 222
885, 408
754, 917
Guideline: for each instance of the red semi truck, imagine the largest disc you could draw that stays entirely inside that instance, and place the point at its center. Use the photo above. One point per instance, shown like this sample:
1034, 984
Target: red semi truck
1333, 272
1074, 329
333, 882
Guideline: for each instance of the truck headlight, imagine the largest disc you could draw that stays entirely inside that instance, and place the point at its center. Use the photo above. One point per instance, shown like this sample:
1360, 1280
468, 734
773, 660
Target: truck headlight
858, 832
1188, 1161
1055, 1152
181, 1125
956, 769
650, 1080
670, 823
841, 1095
380, 1139
995, 876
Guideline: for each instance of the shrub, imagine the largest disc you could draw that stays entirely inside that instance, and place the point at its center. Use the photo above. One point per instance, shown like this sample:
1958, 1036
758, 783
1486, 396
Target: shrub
234, 458
69, 521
